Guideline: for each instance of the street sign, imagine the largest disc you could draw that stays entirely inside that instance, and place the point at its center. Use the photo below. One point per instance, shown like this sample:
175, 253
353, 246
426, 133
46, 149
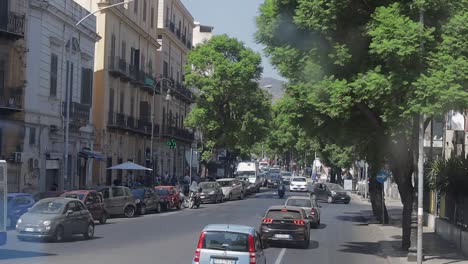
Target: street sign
382, 176
171, 143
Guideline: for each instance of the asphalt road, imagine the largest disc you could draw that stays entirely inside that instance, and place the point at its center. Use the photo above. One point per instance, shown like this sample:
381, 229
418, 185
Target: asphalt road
171, 237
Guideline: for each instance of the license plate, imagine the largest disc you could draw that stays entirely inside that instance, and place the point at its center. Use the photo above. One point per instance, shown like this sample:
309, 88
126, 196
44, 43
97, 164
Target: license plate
342, 198
202, 196
282, 236
29, 229
224, 261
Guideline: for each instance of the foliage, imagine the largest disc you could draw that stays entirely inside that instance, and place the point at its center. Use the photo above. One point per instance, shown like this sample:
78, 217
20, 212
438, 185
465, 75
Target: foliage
230, 110
449, 176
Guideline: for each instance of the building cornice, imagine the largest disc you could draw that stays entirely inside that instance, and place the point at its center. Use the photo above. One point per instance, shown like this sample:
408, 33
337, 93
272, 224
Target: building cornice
174, 39
185, 11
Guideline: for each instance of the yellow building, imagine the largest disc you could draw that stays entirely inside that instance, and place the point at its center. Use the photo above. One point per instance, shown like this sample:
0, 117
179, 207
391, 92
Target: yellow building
135, 49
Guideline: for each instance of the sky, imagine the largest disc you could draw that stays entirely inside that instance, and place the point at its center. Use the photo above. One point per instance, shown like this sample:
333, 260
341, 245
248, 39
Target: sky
235, 18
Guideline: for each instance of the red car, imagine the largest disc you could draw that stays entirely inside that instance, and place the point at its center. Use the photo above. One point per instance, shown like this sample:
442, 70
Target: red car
93, 201
169, 197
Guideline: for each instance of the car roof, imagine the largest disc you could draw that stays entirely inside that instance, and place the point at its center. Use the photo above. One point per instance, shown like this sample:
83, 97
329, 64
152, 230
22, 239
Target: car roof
226, 179
230, 228
80, 191
298, 177
299, 197
18, 194
279, 207
63, 199
164, 187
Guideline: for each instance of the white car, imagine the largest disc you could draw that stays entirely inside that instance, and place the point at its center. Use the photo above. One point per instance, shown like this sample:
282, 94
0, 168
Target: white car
298, 184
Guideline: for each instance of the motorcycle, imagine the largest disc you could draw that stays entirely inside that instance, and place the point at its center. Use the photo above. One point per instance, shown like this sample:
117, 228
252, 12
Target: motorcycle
281, 190
194, 199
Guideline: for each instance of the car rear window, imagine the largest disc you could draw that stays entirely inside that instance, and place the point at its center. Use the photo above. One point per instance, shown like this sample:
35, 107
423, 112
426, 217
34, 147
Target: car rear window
162, 191
283, 214
299, 202
298, 179
78, 196
229, 241
225, 183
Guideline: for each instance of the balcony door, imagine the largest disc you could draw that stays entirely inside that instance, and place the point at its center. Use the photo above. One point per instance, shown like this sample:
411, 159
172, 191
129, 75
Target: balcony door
3, 14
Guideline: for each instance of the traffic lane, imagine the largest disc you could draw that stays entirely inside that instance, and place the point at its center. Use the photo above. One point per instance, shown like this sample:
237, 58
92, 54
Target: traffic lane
342, 237
168, 237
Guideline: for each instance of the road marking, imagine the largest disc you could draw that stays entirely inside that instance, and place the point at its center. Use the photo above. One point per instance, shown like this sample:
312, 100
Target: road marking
280, 256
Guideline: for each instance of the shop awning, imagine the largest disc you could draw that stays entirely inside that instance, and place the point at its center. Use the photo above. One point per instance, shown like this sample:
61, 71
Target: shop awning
89, 154
129, 166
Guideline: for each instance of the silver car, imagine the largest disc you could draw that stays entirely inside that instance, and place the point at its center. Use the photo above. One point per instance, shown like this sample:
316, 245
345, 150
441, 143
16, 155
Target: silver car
229, 244
232, 188
56, 218
310, 206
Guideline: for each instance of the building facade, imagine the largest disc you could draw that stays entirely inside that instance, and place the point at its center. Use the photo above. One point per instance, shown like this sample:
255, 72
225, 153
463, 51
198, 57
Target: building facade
60, 64
201, 33
12, 84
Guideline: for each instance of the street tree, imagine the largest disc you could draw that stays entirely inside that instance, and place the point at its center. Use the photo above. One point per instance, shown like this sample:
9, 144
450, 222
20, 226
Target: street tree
362, 72
230, 110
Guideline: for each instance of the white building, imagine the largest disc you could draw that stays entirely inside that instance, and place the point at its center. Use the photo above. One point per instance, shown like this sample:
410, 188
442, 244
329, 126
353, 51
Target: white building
201, 33
49, 70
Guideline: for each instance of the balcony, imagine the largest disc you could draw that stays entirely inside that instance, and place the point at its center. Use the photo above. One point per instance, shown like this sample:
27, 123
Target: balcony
12, 27
117, 120
178, 33
189, 44
133, 74
118, 67
178, 133
172, 27
78, 112
184, 39
184, 93
11, 100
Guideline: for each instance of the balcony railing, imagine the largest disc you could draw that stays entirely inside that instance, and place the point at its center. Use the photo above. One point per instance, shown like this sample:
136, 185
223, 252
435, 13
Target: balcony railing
79, 112
118, 66
14, 25
178, 133
12, 99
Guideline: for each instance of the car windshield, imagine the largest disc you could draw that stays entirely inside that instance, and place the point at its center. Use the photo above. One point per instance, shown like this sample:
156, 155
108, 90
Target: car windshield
162, 191
298, 180
335, 187
48, 207
9, 199
78, 196
274, 171
283, 214
229, 241
225, 183
207, 185
246, 173
138, 193
286, 174
299, 202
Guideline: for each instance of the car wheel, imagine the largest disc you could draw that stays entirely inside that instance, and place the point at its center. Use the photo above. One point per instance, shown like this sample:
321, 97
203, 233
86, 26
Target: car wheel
330, 199
89, 231
59, 235
142, 209
129, 211
158, 208
103, 219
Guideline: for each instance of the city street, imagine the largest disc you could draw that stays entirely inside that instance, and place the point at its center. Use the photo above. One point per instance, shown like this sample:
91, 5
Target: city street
171, 237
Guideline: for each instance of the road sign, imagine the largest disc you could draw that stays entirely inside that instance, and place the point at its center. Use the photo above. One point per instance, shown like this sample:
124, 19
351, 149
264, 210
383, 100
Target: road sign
382, 176
171, 143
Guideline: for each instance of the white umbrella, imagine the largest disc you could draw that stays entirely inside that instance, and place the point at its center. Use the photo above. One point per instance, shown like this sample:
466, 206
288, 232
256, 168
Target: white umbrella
129, 166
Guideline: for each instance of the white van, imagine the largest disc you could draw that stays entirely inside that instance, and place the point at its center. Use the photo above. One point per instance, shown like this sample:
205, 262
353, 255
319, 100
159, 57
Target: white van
249, 169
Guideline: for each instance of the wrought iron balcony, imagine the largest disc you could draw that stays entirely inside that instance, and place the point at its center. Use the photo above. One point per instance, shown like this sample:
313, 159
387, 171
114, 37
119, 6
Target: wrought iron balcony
11, 100
78, 112
178, 133
13, 25
118, 66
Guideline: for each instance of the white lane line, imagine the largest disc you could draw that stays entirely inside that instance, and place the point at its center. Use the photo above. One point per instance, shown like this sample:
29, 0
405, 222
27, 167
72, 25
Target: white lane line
280, 256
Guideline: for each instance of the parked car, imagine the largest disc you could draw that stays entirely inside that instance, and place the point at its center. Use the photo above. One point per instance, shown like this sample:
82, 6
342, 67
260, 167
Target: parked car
248, 186
298, 184
169, 197
118, 200
231, 188
285, 224
229, 244
93, 201
211, 192
331, 193
56, 218
146, 199
17, 205
286, 175
310, 206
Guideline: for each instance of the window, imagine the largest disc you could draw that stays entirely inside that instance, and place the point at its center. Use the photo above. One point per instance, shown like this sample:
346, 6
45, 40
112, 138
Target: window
144, 10
23, 200
132, 105
121, 102
53, 74
32, 136
165, 69
112, 45
117, 192
111, 100
123, 51
69, 79
2, 76
72, 206
81, 206
135, 6
86, 86
231, 241
105, 193
152, 17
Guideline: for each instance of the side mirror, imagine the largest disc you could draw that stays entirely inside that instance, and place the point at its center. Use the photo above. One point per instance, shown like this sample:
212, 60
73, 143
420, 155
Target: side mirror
69, 212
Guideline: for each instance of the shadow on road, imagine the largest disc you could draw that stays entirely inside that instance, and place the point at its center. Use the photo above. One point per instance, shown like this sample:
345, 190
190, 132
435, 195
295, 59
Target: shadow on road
321, 226
74, 238
312, 245
368, 248
352, 218
17, 254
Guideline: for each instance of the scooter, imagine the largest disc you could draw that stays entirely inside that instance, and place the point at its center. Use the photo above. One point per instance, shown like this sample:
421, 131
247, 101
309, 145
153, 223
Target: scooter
194, 199
281, 190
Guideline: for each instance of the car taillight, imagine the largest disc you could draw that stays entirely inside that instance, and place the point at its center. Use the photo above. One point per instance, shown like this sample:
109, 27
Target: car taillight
267, 220
313, 211
299, 222
196, 259
252, 255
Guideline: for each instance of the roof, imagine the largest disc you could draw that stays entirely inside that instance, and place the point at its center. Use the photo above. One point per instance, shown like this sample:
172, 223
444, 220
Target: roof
226, 179
165, 187
299, 197
279, 207
80, 191
232, 228
64, 199
18, 194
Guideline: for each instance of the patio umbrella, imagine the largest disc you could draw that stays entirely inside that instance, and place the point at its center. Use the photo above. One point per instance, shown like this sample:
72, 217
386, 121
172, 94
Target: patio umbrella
129, 166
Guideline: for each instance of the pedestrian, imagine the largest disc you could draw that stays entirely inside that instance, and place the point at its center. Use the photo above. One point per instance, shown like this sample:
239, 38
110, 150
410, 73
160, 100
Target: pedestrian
166, 177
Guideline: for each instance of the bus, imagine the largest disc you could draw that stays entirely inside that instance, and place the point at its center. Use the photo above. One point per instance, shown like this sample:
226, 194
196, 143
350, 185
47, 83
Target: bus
3, 202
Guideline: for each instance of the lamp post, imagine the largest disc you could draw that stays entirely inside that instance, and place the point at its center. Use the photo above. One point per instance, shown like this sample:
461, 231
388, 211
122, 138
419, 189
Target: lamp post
167, 99
68, 86
161, 80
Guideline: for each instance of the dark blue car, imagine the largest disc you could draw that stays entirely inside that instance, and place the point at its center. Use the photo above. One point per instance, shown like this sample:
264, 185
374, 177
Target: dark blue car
17, 205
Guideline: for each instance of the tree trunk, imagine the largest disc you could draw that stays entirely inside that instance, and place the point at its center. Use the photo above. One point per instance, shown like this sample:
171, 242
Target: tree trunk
375, 192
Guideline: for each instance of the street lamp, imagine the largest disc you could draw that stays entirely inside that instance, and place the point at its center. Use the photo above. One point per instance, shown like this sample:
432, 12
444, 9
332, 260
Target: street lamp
68, 86
152, 120
167, 99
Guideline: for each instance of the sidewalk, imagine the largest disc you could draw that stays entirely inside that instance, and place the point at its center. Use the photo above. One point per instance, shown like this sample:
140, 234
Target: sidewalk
436, 250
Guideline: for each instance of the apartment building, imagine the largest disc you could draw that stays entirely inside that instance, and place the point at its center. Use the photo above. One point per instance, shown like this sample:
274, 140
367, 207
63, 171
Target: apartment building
60, 65
201, 33
175, 35
12, 83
